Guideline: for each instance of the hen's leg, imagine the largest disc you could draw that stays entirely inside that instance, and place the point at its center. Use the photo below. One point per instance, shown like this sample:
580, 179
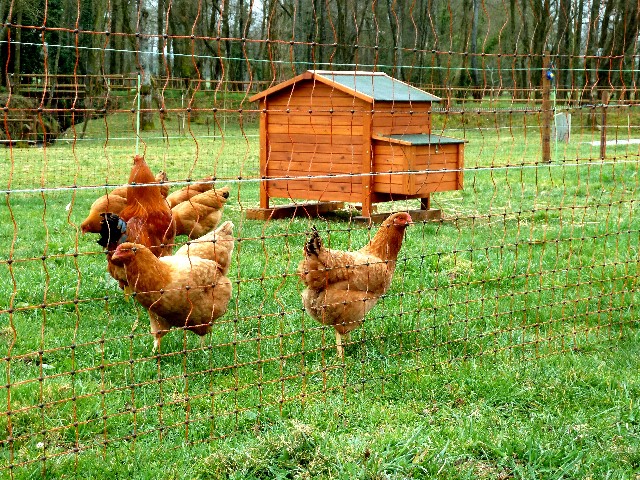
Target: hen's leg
339, 345
159, 327
345, 310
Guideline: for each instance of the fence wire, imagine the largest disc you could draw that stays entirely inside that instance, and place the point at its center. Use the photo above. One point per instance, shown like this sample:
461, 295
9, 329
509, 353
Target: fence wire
531, 251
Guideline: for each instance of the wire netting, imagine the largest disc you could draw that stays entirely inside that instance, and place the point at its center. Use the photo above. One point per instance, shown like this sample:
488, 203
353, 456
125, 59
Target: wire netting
532, 251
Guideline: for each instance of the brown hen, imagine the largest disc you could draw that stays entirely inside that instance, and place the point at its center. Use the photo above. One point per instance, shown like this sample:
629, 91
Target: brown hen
114, 202
201, 213
343, 286
147, 217
189, 191
187, 290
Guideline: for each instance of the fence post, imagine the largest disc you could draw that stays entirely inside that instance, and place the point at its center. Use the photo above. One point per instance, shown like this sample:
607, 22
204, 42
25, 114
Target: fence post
603, 128
546, 109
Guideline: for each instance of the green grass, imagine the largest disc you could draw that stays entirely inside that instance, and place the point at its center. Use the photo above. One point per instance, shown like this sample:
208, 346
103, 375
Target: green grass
507, 346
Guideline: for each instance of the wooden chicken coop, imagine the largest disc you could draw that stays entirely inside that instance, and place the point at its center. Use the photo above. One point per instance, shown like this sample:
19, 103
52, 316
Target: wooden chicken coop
362, 137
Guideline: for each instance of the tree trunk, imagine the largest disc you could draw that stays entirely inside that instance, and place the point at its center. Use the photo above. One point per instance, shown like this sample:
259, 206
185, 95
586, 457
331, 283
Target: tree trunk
393, 26
525, 64
226, 34
592, 42
514, 45
162, 42
18, 39
541, 13
563, 79
145, 58
320, 37
576, 78
617, 41
475, 79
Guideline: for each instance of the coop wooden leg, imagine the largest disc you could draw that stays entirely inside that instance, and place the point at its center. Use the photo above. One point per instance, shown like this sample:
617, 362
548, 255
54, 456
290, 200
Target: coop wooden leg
264, 197
425, 203
366, 205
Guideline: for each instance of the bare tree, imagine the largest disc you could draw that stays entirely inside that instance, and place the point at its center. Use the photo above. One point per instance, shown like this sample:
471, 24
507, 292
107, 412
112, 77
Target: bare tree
145, 61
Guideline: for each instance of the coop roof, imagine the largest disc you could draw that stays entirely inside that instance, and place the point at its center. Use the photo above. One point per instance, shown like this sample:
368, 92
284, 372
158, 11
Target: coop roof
368, 86
418, 139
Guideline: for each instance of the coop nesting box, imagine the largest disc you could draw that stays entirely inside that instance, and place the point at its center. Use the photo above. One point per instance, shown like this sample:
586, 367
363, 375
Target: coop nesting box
358, 137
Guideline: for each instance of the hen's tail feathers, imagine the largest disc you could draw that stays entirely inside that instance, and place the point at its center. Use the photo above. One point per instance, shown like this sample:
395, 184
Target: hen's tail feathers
314, 244
113, 230
226, 228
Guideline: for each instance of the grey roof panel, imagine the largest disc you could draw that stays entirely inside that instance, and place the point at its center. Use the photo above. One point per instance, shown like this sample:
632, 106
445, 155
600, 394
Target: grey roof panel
378, 86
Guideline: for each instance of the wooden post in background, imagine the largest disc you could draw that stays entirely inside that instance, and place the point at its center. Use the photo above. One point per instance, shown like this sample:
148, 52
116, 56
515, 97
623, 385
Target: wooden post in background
603, 126
546, 109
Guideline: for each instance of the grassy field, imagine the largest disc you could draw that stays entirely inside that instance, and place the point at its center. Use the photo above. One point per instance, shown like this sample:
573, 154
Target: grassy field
507, 346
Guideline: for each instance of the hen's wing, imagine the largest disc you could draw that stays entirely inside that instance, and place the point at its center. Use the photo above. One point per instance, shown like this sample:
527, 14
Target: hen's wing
338, 306
201, 213
217, 246
189, 191
155, 231
323, 267
196, 293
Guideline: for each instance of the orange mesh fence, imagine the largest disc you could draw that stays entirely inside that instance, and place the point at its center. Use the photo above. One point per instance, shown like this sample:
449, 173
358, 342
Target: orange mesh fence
511, 139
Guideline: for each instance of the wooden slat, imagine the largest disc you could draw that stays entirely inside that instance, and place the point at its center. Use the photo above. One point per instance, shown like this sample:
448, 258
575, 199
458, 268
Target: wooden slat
264, 149
419, 178
381, 120
403, 130
395, 184
305, 138
303, 147
315, 158
435, 162
333, 192
448, 183
325, 130
303, 103
329, 89
318, 118
389, 149
402, 107
406, 118
338, 184
313, 195
318, 89
425, 158
278, 168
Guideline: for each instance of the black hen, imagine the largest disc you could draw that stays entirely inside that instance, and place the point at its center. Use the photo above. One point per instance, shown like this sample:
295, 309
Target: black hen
113, 231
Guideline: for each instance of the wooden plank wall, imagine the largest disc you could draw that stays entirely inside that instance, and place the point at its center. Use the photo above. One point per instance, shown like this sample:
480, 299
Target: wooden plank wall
401, 118
314, 130
393, 158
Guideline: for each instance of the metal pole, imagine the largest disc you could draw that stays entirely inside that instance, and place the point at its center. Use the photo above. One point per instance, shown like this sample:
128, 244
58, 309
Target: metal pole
546, 109
603, 127
138, 120
555, 121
